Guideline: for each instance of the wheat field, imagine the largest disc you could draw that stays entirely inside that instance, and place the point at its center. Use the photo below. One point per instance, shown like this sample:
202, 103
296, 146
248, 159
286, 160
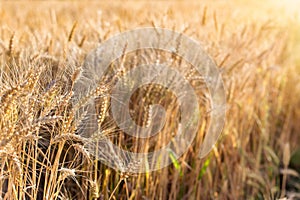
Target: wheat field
43, 45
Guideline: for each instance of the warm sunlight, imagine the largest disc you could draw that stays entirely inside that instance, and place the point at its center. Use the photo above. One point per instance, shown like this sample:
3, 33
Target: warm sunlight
291, 7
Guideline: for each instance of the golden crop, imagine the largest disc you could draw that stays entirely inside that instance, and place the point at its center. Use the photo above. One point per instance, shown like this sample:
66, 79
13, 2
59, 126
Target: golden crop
42, 49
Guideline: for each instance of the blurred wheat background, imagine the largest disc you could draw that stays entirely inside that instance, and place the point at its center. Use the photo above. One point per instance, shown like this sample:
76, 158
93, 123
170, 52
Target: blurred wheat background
256, 47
